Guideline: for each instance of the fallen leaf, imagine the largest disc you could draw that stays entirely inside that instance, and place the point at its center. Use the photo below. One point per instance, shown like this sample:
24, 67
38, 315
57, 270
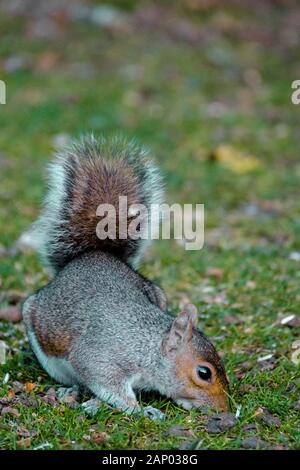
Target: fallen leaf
250, 427
6, 401
29, 386
70, 401
8, 410
99, 438
26, 442
267, 418
10, 314
23, 432
47, 62
11, 394
50, 397
215, 272
236, 161
242, 368
188, 444
233, 320
278, 447
28, 401
246, 388
258, 412
221, 422
254, 443
179, 431
18, 386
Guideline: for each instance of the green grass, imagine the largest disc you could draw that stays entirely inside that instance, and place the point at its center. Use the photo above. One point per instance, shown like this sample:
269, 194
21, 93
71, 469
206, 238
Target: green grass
159, 88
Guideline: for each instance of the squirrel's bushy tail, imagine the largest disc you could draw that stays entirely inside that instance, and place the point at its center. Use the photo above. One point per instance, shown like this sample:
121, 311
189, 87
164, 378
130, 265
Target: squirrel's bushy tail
88, 173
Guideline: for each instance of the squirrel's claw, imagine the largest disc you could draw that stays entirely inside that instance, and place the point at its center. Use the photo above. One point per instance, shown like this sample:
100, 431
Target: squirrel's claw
91, 406
153, 413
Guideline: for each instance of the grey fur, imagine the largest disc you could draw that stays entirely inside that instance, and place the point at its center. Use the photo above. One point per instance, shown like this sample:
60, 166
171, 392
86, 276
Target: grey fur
99, 323
117, 331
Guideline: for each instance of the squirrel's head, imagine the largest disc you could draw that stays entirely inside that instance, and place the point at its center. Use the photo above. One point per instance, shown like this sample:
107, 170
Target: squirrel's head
199, 373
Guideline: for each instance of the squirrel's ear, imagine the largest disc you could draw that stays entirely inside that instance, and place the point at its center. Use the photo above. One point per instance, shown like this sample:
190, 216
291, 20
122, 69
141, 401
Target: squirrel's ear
192, 311
181, 330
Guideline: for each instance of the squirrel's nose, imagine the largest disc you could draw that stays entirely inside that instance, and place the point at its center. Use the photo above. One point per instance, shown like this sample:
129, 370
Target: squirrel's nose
221, 402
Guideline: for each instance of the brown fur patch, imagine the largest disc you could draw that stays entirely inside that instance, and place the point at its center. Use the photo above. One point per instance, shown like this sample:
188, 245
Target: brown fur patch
95, 182
54, 339
57, 346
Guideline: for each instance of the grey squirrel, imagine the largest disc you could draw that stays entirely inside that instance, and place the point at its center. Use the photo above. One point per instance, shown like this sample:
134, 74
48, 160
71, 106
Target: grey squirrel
99, 323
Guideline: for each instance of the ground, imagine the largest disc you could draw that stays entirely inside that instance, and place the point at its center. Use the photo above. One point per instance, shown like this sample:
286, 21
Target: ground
208, 89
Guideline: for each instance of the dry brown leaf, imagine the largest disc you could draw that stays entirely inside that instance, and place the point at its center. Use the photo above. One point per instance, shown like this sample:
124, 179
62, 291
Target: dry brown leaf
47, 62
9, 410
10, 314
254, 443
267, 418
250, 427
221, 422
24, 432
179, 431
247, 388
233, 320
234, 160
26, 442
99, 438
215, 272
29, 386
11, 394
259, 412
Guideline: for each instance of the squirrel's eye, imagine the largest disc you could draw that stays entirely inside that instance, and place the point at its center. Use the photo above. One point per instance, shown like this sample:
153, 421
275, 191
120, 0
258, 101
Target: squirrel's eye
204, 373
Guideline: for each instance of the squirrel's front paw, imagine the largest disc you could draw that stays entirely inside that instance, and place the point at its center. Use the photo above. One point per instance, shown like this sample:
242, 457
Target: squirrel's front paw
153, 413
64, 392
91, 406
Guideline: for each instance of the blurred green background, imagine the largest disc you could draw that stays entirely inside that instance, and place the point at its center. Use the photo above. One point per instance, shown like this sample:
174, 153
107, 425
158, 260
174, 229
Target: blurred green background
206, 85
